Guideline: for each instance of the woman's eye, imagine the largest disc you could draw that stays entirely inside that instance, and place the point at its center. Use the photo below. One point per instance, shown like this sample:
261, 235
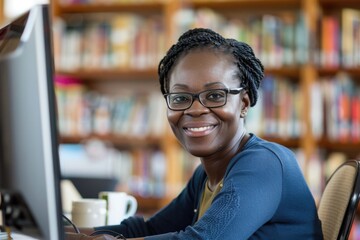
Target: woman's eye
215, 96
180, 99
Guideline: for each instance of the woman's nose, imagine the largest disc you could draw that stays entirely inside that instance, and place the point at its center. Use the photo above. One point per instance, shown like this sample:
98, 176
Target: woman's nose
196, 108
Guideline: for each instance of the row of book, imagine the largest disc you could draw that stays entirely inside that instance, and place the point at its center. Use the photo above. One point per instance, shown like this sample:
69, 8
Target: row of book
340, 39
277, 39
108, 41
336, 109
82, 112
130, 40
141, 172
278, 110
283, 39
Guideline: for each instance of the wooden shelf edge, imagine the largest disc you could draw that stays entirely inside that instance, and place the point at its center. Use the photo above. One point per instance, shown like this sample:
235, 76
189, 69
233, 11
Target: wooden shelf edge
152, 73
126, 74
287, 71
348, 146
234, 4
149, 6
325, 71
339, 3
115, 139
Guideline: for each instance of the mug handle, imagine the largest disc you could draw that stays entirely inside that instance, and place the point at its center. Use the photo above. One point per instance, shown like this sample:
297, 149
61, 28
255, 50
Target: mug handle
132, 205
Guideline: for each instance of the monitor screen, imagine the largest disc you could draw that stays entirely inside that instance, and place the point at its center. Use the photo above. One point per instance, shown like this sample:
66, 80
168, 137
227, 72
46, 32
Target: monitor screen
29, 160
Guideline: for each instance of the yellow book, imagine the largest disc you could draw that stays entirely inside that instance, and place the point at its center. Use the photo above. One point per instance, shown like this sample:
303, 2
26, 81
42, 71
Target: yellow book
348, 17
122, 37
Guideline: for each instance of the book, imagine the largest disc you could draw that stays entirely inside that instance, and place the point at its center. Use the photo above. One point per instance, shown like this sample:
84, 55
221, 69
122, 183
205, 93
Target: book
350, 19
330, 43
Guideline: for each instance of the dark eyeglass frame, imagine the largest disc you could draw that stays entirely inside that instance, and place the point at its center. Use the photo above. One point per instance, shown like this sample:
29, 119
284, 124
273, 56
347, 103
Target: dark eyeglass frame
194, 96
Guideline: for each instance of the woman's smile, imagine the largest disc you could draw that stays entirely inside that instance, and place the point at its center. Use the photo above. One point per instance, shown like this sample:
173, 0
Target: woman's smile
199, 131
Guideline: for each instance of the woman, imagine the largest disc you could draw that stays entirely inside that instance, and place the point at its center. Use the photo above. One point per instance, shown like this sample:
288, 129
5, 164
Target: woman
245, 187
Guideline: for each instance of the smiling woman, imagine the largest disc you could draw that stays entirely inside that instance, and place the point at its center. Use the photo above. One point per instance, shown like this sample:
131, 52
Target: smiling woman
245, 187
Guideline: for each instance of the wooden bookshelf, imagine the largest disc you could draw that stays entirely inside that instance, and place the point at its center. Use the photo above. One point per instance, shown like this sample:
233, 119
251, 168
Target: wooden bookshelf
95, 76
302, 74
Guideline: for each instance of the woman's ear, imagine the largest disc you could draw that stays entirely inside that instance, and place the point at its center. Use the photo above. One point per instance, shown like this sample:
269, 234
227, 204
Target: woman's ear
245, 100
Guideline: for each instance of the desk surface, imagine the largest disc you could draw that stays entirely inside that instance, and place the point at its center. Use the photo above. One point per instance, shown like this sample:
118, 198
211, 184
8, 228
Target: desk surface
15, 236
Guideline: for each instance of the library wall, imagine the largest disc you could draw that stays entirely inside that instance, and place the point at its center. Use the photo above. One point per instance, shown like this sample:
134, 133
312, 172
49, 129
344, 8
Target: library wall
106, 58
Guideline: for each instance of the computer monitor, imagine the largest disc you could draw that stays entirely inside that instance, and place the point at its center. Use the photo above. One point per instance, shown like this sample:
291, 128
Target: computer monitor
29, 160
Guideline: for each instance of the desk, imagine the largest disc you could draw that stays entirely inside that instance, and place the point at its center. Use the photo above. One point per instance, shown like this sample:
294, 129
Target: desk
16, 236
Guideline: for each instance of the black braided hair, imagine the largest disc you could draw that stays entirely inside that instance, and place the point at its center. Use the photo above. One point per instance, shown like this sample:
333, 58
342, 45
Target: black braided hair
251, 70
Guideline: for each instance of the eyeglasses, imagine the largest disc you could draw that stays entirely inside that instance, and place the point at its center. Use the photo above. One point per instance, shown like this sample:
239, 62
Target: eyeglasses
210, 98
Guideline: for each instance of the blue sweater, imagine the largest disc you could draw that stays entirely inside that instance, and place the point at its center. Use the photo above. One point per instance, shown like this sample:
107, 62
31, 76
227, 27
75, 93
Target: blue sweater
264, 196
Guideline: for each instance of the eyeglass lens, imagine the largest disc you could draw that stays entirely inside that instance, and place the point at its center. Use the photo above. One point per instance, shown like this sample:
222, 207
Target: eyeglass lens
209, 98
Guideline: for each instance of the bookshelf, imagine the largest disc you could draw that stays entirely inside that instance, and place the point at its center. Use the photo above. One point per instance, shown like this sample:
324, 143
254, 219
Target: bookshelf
292, 58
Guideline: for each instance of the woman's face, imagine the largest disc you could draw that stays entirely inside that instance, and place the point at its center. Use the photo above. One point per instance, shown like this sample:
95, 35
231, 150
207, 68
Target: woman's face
207, 131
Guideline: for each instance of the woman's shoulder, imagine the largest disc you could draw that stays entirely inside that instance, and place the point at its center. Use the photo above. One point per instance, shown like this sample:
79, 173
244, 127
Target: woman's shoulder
263, 154
259, 144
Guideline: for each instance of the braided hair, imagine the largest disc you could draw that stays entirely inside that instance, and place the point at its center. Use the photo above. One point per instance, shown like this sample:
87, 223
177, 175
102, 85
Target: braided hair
251, 70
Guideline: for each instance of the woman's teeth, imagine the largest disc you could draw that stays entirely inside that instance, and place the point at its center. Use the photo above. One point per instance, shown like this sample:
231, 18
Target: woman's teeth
199, 129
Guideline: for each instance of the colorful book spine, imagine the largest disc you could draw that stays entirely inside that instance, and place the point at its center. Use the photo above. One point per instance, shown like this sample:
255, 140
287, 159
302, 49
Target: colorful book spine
330, 42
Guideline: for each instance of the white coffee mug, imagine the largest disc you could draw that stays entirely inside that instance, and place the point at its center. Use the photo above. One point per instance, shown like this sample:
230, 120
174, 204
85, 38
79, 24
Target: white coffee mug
120, 206
89, 212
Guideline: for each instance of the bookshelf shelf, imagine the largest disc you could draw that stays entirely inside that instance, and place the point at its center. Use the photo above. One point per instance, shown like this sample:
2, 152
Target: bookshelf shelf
333, 71
151, 74
141, 7
333, 4
351, 148
344, 145
290, 72
117, 140
248, 4
112, 74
